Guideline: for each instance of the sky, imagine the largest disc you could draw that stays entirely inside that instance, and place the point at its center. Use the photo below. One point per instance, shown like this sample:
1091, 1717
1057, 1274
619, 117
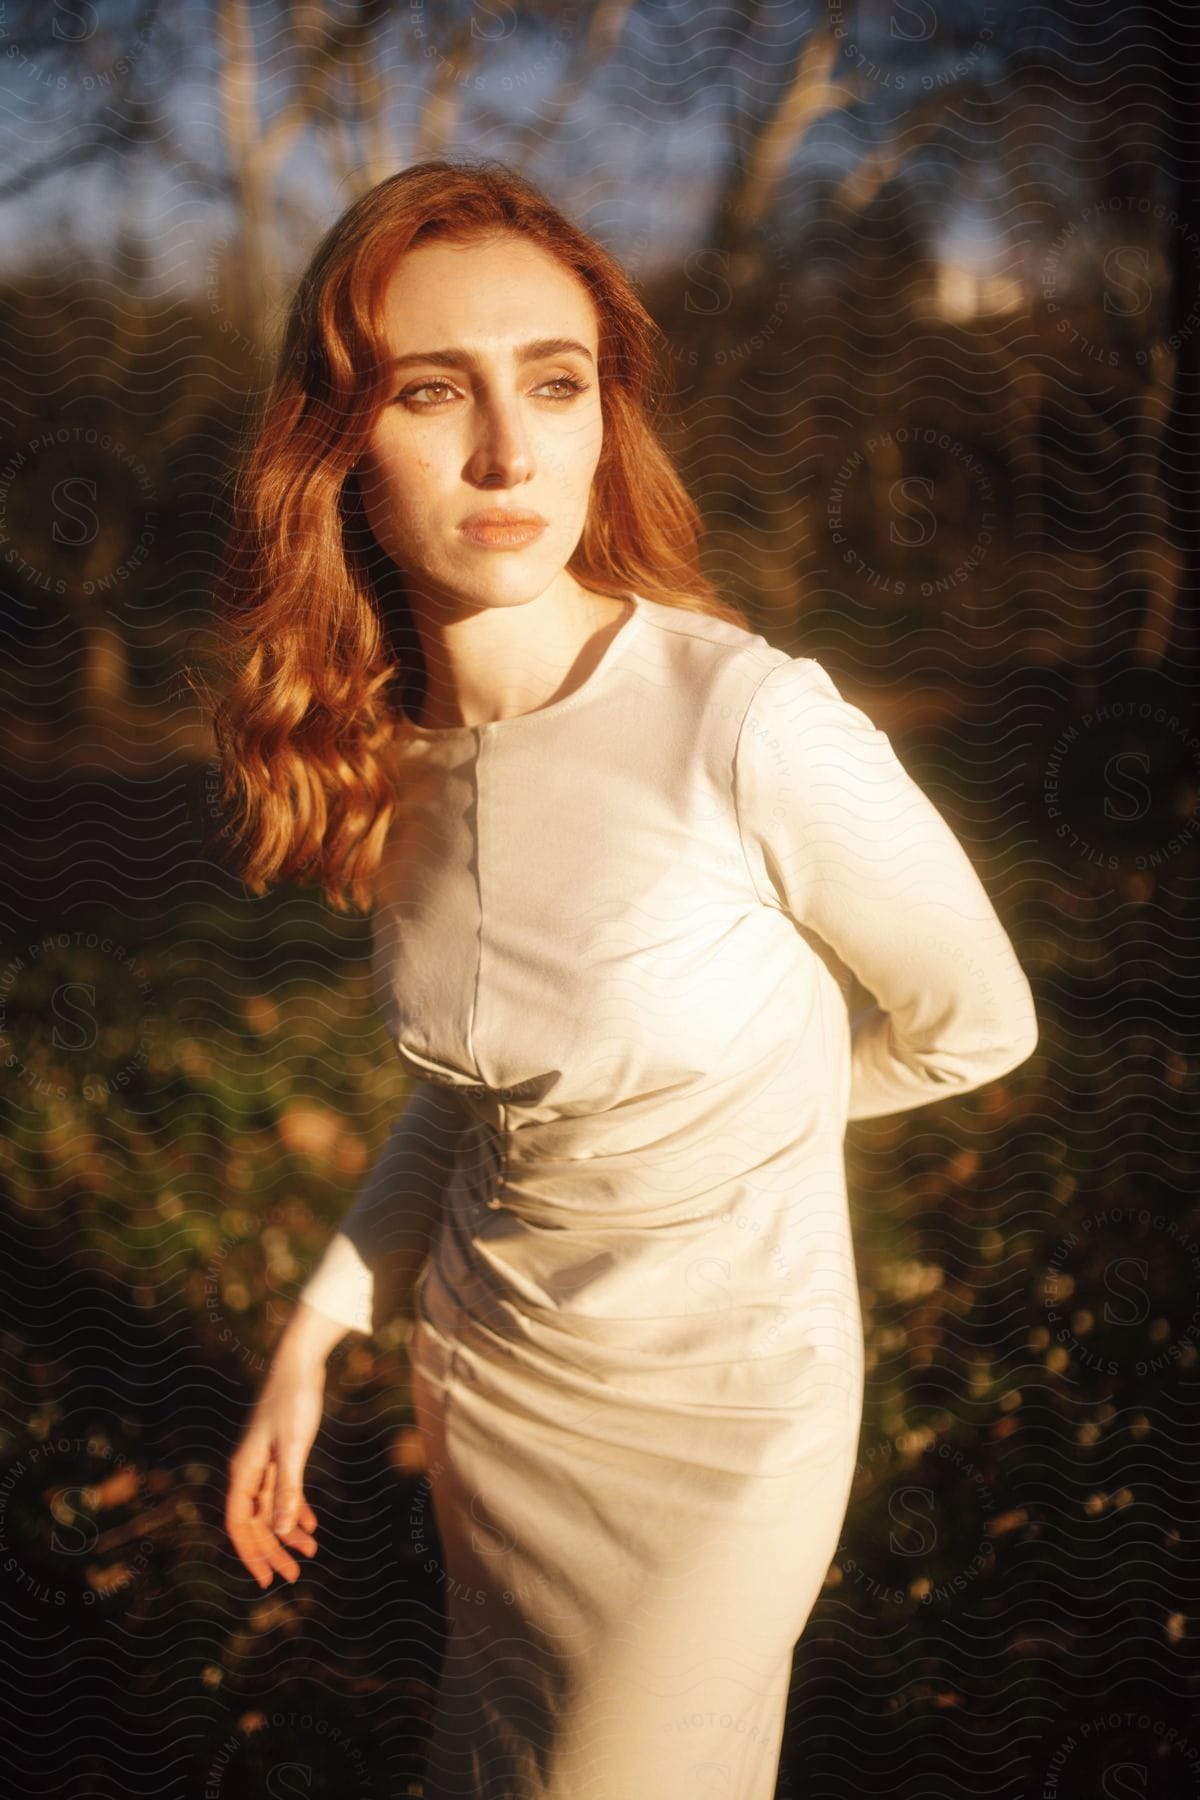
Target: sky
640, 159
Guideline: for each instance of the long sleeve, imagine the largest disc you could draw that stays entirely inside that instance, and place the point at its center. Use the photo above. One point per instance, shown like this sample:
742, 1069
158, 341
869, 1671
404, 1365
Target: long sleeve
838, 834
372, 1259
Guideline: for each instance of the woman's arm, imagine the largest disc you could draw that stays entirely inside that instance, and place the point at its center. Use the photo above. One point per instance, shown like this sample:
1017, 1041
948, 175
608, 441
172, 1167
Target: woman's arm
362, 1279
837, 833
371, 1262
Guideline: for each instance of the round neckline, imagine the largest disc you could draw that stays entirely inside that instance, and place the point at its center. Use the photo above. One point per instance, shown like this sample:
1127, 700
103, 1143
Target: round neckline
608, 656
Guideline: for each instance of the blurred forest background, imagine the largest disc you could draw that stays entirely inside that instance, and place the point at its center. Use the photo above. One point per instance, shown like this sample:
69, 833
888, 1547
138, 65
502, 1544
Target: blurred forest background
929, 275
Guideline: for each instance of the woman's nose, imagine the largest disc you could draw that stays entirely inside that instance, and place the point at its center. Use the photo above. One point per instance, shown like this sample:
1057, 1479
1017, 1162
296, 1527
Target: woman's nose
502, 446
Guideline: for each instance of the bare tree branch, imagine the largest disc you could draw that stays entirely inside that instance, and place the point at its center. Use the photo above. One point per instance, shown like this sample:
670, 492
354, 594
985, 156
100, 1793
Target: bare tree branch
605, 26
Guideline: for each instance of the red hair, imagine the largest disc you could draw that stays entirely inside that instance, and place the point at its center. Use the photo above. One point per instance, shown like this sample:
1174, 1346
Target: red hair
303, 588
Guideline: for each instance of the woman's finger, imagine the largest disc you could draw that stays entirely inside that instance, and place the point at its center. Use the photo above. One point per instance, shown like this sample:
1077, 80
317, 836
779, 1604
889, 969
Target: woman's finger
302, 1535
249, 1472
271, 1546
299, 1539
263, 1490
289, 1501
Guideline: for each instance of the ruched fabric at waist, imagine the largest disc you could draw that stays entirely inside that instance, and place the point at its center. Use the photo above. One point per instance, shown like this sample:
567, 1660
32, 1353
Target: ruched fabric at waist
623, 1384
750, 1309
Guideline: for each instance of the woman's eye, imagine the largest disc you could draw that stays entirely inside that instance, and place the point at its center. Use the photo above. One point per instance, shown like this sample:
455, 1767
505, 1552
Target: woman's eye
569, 382
424, 387
411, 395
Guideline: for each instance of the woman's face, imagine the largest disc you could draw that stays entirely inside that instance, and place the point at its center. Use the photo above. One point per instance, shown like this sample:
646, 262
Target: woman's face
483, 415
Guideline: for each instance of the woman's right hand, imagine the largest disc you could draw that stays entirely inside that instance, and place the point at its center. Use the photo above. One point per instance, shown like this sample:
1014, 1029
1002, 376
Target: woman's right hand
266, 1513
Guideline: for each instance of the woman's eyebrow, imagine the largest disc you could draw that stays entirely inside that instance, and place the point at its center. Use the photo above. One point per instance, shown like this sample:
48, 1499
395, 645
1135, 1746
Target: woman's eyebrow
464, 359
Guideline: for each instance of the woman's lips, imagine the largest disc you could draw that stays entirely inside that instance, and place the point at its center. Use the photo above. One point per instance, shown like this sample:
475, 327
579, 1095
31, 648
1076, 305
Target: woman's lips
506, 534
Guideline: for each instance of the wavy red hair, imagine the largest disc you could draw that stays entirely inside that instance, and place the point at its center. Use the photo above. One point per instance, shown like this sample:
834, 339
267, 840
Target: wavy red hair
311, 614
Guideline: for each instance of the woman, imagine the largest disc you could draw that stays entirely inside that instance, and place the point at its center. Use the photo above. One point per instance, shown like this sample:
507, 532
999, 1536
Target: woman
625, 858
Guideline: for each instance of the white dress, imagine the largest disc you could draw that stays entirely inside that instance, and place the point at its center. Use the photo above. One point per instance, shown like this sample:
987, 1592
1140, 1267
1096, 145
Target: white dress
613, 943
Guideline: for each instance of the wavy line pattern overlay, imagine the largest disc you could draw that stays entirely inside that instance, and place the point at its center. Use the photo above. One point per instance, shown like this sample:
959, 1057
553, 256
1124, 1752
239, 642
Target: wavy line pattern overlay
928, 273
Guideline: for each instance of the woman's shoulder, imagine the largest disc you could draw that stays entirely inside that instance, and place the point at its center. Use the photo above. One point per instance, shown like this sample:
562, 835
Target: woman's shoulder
715, 662
691, 623
707, 639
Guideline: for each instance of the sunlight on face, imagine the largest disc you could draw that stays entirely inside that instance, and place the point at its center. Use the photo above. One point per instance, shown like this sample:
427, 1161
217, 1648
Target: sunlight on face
483, 428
